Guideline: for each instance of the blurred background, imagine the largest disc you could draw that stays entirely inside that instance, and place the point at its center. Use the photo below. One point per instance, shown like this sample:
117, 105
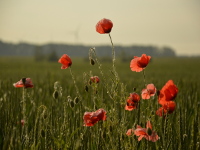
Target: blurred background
53, 27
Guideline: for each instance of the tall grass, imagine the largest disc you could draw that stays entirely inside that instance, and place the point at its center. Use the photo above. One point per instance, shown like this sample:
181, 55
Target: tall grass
54, 115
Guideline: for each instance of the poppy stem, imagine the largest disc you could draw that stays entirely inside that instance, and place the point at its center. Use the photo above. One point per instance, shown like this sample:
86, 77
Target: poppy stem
113, 56
113, 50
143, 72
138, 115
24, 104
77, 90
24, 112
101, 71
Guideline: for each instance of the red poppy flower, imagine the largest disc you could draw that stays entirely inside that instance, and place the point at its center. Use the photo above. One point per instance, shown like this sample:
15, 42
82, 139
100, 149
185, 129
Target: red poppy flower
168, 92
139, 63
24, 82
167, 108
132, 101
91, 118
149, 91
66, 61
104, 26
146, 133
94, 79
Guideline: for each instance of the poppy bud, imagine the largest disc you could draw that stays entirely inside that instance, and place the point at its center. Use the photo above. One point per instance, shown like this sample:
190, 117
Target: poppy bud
24, 81
55, 94
76, 100
90, 82
71, 104
92, 62
86, 88
149, 131
42, 133
134, 89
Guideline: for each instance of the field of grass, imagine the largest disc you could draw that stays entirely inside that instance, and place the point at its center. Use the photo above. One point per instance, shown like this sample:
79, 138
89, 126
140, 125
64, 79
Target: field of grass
53, 122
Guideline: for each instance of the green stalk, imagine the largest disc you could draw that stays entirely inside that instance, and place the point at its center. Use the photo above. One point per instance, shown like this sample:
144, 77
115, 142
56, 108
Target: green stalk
145, 84
73, 78
113, 58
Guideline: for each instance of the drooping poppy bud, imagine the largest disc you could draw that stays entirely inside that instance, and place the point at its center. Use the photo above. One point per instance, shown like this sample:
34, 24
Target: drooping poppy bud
86, 88
92, 62
55, 94
71, 104
42, 133
76, 100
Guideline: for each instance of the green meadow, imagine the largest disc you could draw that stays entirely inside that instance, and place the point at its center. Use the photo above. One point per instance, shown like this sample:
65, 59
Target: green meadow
53, 109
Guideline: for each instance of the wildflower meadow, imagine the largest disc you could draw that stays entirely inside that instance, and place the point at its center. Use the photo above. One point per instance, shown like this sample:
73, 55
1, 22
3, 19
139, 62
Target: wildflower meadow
146, 103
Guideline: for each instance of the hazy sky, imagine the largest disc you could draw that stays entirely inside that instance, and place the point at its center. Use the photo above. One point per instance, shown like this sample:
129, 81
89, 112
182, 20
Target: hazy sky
173, 23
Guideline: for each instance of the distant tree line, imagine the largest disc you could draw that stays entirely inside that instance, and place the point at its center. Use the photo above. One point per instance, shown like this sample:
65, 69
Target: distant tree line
52, 51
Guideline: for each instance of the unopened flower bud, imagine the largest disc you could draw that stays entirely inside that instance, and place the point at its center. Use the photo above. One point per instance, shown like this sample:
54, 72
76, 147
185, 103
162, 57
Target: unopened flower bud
71, 104
92, 62
134, 89
55, 94
42, 133
76, 100
86, 88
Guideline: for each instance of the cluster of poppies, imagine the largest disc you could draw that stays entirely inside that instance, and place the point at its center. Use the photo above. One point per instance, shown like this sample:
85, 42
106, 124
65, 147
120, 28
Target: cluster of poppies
166, 95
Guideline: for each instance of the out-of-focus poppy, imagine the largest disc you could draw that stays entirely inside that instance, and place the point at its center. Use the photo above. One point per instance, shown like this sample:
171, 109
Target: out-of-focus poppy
94, 79
149, 91
168, 92
132, 101
104, 26
91, 118
22, 122
167, 108
24, 82
66, 61
146, 133
139, 63
130, 132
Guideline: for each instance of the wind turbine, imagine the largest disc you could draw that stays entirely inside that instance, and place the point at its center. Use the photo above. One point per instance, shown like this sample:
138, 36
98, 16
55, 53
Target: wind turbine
75, 33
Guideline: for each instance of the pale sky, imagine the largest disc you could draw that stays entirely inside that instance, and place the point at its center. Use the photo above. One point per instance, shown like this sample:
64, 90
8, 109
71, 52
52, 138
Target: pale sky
173, 23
